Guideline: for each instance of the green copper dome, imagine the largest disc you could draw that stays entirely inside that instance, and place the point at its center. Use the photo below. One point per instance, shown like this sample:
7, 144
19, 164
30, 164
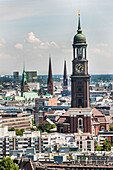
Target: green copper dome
79, 38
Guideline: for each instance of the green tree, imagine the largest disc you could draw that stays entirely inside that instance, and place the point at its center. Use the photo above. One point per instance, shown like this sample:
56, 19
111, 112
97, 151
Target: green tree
33, 129
19, 132
8, 164
45, 127
32, 122
111, 128
11, 129
99, 148
106, 145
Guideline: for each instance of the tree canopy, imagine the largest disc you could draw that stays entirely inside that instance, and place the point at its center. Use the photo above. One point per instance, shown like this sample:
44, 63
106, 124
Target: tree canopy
99, 148
111, 128
8, 164
106, 145
19, 132
45, 127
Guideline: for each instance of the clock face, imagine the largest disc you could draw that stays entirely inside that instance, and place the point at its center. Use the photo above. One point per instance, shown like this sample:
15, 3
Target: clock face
79, 68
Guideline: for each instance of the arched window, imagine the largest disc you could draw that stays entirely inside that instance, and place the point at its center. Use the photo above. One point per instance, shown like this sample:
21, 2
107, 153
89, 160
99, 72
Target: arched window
102, 128
61, 130
80, 124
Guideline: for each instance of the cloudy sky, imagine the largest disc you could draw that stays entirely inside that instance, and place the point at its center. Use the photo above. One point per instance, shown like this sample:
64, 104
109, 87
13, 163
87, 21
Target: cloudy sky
31, 30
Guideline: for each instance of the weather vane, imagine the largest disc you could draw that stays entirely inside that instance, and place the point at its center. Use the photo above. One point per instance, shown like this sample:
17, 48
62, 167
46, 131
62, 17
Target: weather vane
78, 12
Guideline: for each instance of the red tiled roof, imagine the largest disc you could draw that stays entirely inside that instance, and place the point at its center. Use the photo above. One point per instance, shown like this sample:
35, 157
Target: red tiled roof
52, 112
66, 113
62, 119
96, 112
101, 119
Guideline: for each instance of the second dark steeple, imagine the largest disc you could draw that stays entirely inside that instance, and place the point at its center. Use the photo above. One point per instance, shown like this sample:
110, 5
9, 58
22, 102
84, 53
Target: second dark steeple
50, 79
65, 77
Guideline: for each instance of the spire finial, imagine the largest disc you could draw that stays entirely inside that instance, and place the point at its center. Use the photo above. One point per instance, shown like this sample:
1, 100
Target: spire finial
79, 26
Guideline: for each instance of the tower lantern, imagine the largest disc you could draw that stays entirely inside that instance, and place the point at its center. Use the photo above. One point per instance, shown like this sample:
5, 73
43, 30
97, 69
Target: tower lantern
79, 43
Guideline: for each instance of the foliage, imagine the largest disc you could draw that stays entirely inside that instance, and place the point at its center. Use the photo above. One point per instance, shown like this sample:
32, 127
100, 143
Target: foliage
45, 127
33, 129
111, 128
32, 122
11, 129
106, 145
99, 148
8, 164
19, 132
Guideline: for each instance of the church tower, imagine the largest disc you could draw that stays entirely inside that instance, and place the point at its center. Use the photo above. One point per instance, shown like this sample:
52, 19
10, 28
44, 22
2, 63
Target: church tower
65, 78
24, 85
80, 112
80, 76
50, 79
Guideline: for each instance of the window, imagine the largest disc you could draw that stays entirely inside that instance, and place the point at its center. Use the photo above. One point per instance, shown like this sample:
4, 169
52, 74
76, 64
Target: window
80, 124
79, 102
79, 89
61, 130
102, 129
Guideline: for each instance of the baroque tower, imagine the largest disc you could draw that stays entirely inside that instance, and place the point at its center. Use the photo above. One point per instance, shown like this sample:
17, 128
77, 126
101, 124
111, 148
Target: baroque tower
65, 78
50, 79
80, 112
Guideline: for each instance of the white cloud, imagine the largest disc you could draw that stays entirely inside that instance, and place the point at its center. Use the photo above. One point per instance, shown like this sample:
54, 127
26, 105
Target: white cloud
46, 45
96, 50
2, 43
67, 50
102, 45
19, 46
32, 39
53, 44
42, 45
5, 56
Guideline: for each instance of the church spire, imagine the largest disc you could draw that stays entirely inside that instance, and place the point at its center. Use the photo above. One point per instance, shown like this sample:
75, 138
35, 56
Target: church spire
24, 85
50, 79
65, 77
50, 71
24, 75
79, 26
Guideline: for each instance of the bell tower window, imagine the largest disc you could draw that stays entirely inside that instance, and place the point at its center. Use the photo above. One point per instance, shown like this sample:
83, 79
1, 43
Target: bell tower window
80, 53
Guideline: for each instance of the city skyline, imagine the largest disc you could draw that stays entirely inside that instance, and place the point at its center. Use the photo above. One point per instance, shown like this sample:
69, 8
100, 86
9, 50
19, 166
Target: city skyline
32, 31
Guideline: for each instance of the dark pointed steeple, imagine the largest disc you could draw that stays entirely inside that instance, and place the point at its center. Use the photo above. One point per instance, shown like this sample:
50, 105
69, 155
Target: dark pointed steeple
65, 77
50, 71
24, 85
24, 80
50, 79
